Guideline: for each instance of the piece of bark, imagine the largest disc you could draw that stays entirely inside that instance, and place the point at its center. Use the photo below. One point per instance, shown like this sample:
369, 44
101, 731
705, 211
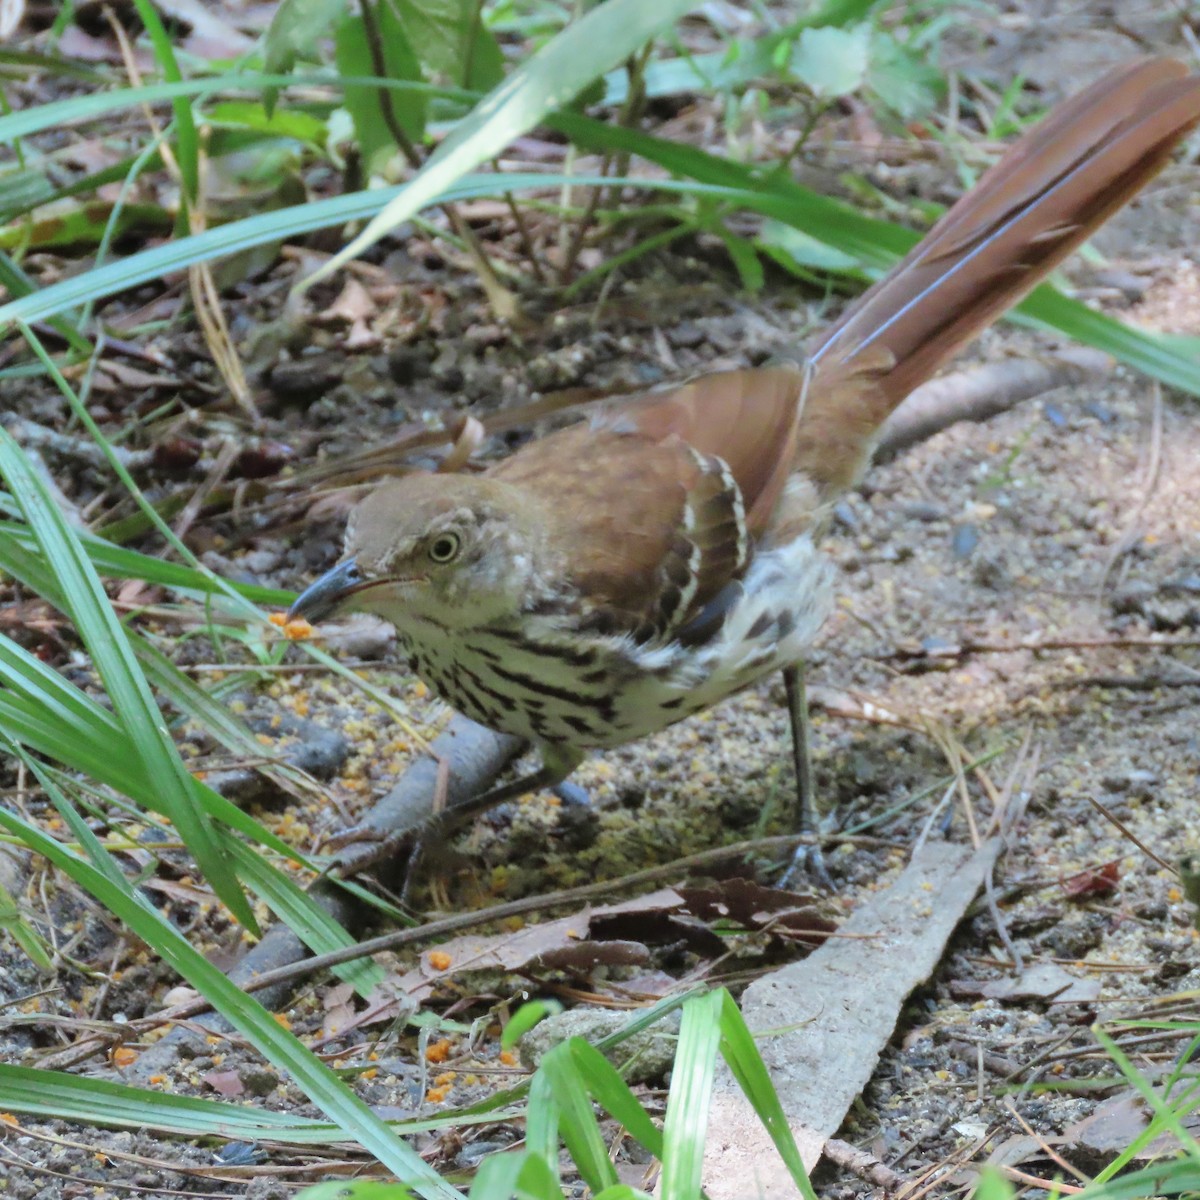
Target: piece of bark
840, 1006
476, 757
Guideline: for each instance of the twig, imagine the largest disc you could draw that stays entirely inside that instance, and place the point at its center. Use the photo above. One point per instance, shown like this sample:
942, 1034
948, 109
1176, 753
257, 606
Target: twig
1104, 812
866, 1166
1133, 683
971, 646
1132, 534
497, 912
215, 477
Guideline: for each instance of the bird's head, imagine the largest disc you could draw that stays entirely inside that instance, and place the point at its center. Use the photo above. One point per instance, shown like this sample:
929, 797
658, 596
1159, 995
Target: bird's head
453, 550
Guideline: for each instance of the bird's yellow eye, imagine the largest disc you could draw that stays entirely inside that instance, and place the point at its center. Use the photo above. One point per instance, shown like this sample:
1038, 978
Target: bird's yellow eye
445, 547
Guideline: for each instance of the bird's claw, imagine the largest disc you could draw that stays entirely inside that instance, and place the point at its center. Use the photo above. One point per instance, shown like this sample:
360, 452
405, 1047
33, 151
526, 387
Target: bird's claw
807, 860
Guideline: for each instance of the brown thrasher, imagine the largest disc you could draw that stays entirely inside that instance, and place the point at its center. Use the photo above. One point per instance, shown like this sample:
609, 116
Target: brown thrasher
618, 575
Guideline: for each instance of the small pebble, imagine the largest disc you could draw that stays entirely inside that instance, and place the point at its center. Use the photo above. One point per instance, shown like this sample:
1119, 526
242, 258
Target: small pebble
964, 540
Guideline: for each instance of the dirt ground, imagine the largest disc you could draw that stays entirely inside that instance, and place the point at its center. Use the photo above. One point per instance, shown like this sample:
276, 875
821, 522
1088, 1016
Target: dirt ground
1071, 520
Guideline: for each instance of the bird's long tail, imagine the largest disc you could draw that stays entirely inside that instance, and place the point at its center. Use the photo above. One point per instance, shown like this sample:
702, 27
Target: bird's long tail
1045, 196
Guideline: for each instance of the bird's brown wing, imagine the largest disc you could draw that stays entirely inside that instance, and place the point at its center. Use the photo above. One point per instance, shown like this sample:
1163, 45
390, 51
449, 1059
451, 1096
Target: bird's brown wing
660, 498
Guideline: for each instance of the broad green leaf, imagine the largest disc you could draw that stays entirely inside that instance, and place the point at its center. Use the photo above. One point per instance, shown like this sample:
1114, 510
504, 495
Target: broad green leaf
247, 114
364, 103
295, 30
744, 61
904, 81
451, 40
993, 1186
555, 75
84, 224
832, 62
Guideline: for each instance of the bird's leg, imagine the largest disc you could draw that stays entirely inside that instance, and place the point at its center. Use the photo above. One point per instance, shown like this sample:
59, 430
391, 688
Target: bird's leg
807, 857
550, 775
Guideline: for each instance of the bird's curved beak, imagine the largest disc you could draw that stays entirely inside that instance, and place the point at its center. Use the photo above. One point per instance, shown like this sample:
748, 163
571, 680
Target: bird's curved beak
324, 595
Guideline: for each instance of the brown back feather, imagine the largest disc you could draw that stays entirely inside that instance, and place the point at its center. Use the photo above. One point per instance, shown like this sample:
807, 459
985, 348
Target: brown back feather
664, 492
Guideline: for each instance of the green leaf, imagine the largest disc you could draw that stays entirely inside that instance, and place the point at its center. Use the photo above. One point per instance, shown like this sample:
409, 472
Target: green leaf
365, 103
902, 80
357, 1189
992, 1185
115, 562
187, 139
559, 71
521, 1174
85, 225
451, 40
248, 114
796, 250
742, 1057
295, 30
832, 62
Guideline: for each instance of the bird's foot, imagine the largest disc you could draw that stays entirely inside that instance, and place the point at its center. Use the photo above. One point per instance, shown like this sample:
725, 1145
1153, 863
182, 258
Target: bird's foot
807, 861
362, 846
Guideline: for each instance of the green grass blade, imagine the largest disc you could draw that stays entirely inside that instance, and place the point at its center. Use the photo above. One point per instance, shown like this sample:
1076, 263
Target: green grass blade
66, 1097
115, 562
28, 941
541, 1123
742, 1057
45, 712
600, 39
615, 1096
96, 105
80, 829
278, 1046
133, 704
578, 1126
690, 1098
519, 1175
877, 245
309, 921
